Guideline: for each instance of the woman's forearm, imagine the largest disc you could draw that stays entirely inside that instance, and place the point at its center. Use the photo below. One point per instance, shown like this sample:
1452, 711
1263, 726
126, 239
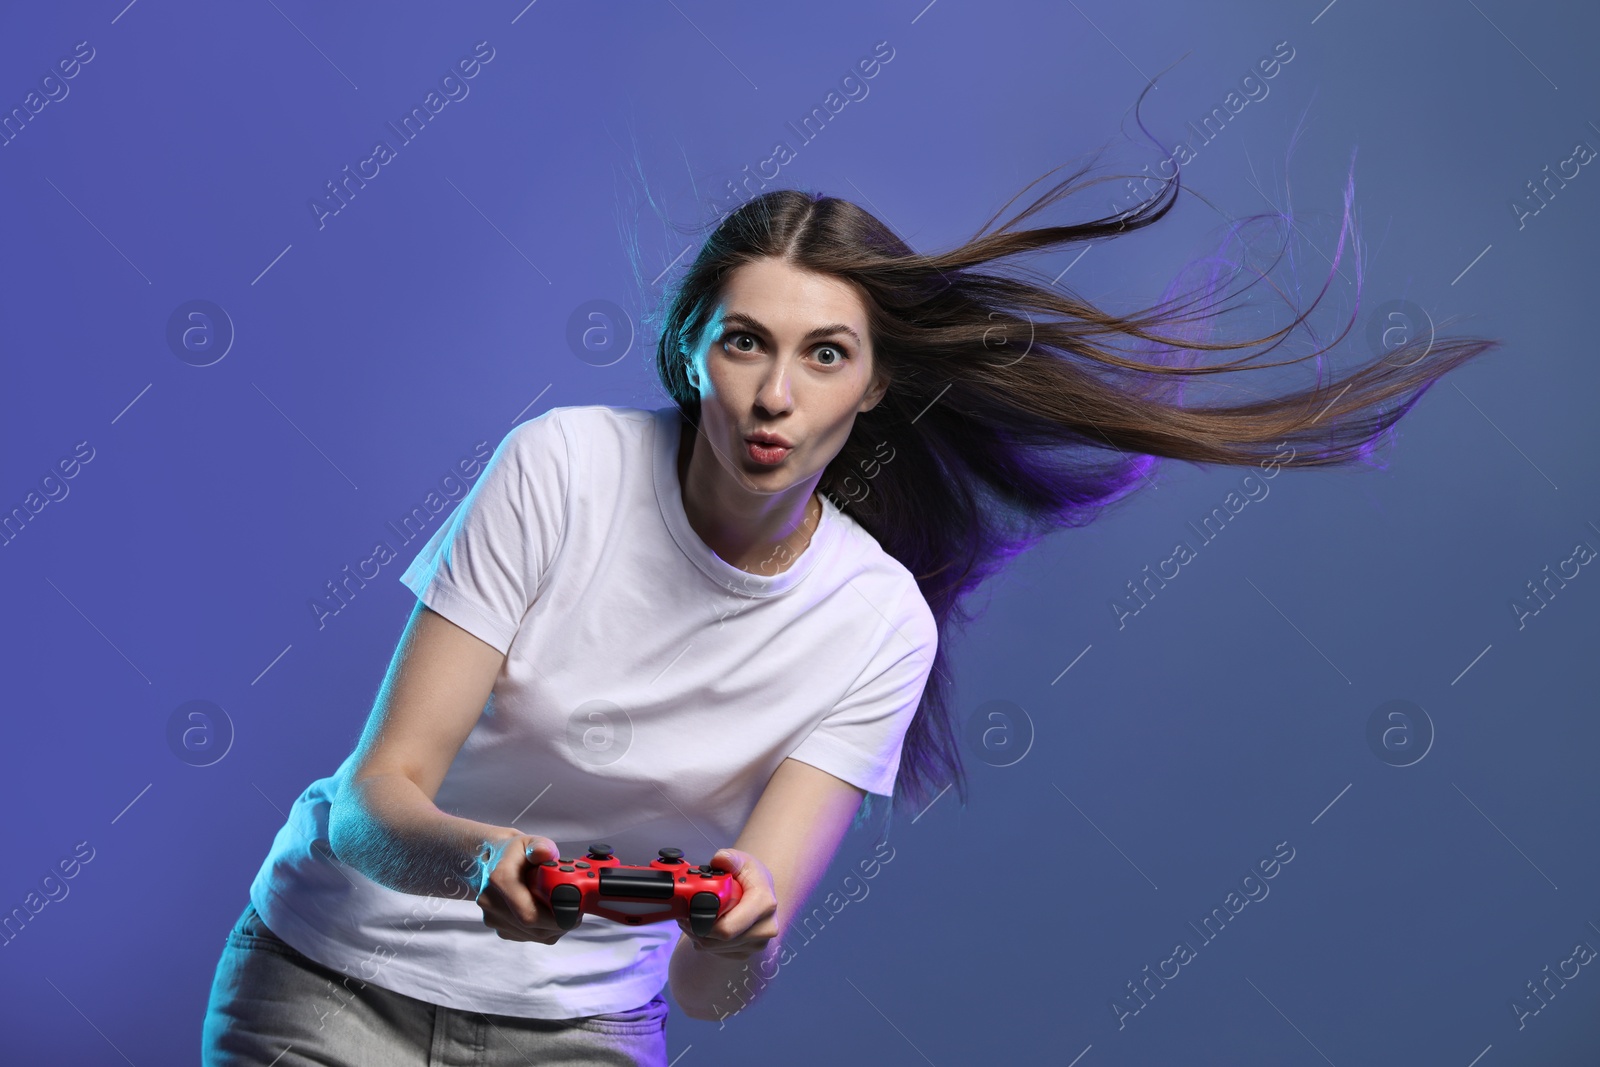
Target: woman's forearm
386, 828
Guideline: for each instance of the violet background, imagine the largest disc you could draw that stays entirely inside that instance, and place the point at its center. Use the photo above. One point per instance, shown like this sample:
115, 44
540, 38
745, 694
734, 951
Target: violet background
433, 312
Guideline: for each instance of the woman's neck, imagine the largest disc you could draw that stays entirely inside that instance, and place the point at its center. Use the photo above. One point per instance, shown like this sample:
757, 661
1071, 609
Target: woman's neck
758, 533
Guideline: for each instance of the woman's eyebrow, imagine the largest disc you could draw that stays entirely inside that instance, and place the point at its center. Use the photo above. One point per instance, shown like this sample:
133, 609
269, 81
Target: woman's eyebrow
820, 331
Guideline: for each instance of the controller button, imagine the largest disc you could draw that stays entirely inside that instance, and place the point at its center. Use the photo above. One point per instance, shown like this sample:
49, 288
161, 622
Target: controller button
548, 863
566, 869
703, 910
579, 863
670, 855
566, 902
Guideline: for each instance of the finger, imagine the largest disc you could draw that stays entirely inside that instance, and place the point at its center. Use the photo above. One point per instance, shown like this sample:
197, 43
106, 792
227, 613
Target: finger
529, 907
511, 900
739, 930
510, 929
753, 907
743, 914
509, 905
514, 880
538, 849
520, 911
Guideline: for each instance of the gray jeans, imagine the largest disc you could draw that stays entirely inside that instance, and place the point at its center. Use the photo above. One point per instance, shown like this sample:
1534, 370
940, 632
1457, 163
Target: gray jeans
270, 1004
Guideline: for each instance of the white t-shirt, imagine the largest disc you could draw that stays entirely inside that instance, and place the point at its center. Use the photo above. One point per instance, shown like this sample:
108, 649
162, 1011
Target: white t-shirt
649, 691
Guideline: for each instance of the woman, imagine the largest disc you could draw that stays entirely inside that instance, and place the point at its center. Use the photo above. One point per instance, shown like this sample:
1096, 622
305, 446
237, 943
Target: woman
721, 620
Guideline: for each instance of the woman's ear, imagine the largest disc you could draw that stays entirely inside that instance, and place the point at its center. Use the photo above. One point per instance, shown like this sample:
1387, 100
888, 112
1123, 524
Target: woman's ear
880, 386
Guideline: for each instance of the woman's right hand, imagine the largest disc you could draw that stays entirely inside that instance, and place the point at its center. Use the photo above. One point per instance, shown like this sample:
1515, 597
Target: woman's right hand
509, 905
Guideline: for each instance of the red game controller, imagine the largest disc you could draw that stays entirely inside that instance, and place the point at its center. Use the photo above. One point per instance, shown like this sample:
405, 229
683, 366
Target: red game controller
668, 888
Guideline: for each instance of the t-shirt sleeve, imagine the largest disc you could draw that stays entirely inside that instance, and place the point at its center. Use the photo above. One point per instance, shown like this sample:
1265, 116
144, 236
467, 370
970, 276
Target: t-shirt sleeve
861, 738
482, 567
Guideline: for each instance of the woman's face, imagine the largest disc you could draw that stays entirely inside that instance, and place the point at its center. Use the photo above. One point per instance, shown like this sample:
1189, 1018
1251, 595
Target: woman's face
786, 353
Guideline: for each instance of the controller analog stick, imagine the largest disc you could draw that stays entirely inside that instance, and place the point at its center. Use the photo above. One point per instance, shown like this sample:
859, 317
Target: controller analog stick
600, 852
670, 855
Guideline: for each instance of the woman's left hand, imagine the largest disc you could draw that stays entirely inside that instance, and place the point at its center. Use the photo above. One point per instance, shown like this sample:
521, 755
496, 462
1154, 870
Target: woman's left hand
746, 928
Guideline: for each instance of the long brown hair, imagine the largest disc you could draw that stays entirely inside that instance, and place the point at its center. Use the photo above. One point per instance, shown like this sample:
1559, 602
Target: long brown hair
1012, 413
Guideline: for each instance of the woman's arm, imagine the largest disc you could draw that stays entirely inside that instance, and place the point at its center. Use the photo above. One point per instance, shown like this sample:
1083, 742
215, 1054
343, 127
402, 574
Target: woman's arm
794, 831
383, 821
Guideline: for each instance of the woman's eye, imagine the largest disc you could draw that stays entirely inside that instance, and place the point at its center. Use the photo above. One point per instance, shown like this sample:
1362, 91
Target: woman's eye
734, 341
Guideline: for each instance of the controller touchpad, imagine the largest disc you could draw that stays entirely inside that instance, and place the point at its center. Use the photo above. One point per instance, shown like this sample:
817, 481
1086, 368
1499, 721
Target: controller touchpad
641, 885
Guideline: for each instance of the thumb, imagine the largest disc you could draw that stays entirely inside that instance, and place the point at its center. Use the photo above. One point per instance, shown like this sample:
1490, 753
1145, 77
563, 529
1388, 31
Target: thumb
537, 849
